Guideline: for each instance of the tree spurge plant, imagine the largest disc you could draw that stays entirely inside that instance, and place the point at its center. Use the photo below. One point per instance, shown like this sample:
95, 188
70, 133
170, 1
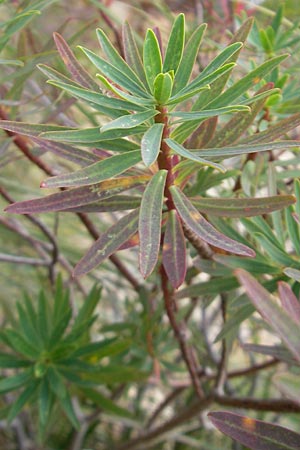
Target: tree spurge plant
163, 132
159, 132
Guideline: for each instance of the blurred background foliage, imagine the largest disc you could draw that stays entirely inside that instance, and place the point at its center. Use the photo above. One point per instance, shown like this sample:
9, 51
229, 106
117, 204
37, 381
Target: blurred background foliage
35, 249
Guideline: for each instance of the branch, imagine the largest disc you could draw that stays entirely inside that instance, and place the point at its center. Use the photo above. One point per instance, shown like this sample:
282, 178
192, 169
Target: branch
180, 332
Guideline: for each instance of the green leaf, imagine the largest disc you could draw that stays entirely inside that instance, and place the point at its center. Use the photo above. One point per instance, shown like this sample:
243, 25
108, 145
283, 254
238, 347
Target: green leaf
79, 74
196, 115
293, 229
151, 57
241, 86
276, 253
293, 273
89, 136
150, 222
14, 382
227, 152
255, 434
175, 45
203, 229
190, 53
174, 253
60, 390
114, 74
162, 88
251, 265
151, 142
97, 172
274, 132
97, 98
115, 58
115, 374
22, 399
178, 98
211, 287
105, 403
45, 402
73, 198
132, 55
8, 361
273, 314
129, 121
180, 150
20, 344
241, 207
201, 81
108, 243
107, 347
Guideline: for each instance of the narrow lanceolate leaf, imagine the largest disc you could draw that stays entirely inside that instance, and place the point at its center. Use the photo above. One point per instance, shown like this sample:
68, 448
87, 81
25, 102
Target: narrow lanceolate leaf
241, 207
180, 150
114, 74
73, 198
227, 152
186, 65
255, 434
97, 98
293, 273
151, 57
162, 88
116, 59
175, 45
275, 131
241, 86
174, 254
54, 75
114, 203
79, 74
203, 229
274, 315
132, 55
197, 115
14, 382
68, 152
150, 222
29, 129
129, 121
289, 301
88, 136
108, 243
97, 172
150, 144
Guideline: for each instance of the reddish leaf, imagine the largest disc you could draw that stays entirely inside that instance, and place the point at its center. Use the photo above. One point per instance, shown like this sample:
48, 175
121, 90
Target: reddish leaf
150, 222
255, 434
274, 315
73, 198
289, 300
108, 243
203, 229
174, 257
75, 68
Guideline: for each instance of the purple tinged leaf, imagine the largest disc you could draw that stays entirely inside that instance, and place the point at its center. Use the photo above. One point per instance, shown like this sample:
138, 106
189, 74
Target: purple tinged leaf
108, 243
174, 252
150, 222
203, 229
289, 300
97, 172
275, 351
65, 151
114, 203
255, 434
286, 326
74, 198
29, 129
241, 207
77, 71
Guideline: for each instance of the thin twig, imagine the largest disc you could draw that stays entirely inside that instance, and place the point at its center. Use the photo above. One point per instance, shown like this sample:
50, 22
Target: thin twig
180, 332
